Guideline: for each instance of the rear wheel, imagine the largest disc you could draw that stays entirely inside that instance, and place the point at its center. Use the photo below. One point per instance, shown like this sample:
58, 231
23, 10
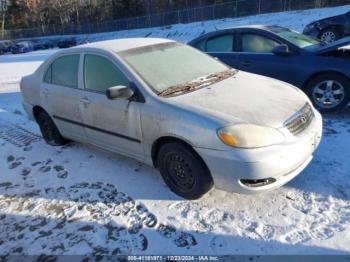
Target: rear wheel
49, 130
329, 92
183, 171
330, 35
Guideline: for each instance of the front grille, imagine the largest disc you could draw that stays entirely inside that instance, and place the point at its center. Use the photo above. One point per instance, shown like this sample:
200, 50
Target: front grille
300, 121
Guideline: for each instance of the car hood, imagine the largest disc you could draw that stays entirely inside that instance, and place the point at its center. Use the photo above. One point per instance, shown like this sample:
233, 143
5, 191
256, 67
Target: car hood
340, 44
247, 98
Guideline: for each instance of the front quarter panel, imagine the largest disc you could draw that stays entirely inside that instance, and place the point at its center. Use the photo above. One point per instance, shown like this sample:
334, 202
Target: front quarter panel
161, 119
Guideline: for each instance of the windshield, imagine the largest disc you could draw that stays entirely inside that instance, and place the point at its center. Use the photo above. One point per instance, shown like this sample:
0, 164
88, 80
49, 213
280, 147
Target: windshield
298, 39
170, 65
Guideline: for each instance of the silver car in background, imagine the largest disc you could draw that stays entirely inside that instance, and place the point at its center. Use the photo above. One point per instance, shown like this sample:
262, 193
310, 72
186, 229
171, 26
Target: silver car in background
168, 105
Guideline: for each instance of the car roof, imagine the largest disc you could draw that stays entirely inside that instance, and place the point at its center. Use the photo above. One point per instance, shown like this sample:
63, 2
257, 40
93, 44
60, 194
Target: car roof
119, 45
250, 26
259, 27
266, 28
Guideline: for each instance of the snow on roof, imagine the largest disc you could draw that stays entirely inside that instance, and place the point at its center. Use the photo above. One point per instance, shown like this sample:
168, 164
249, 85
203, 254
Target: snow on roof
119, 45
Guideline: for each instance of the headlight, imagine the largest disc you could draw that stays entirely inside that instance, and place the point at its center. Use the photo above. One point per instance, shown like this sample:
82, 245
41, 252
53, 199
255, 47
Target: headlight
250, 136
315, 25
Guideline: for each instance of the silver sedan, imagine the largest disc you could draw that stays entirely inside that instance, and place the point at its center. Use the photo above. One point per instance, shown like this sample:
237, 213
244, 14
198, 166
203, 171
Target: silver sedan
168, 105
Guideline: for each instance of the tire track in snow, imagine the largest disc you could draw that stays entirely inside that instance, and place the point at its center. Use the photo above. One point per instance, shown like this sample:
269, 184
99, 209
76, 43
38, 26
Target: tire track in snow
17, 135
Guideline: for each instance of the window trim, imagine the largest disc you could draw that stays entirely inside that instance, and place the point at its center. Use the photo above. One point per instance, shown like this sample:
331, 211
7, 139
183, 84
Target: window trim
46, 71
50, 67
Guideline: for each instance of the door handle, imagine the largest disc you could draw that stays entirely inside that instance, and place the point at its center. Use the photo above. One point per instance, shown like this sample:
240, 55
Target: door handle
85, 101
45, 91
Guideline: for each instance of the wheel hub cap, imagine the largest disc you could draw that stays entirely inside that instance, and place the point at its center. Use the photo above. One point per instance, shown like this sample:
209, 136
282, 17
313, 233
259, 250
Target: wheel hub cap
328, 37
328, 94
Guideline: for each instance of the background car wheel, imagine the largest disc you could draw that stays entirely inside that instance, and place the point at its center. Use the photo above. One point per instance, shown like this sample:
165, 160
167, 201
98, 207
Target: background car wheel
49, 130
330, 35
329, 92
184, 171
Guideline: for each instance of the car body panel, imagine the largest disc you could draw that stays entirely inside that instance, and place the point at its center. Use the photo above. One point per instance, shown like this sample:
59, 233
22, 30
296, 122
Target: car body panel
22, 47
297, 68
239, 93
341, 22
284, 164
342, 43
132, 127
117, 124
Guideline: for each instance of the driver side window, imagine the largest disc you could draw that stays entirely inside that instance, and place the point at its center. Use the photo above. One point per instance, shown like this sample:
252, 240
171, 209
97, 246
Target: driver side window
253, 43
101, 74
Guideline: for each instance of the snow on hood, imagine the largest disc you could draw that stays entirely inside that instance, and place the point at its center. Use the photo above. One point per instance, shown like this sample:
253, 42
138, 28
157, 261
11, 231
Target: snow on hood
248, 97
340, 44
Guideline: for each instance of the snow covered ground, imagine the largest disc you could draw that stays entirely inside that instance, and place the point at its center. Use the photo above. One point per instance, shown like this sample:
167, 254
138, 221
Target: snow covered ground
296, 20
76, 199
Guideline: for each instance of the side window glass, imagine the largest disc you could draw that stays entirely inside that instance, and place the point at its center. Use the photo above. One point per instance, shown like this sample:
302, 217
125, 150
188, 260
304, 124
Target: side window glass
222, 43
65, 71
201, 45
48, 75
253, 43
101, 74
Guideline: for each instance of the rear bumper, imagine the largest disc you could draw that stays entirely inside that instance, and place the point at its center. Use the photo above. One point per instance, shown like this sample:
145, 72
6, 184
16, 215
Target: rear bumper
279, 163
29, 109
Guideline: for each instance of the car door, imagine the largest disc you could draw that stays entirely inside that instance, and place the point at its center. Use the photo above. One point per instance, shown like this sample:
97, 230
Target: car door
60, 95
110, 124
220, 47
256, 56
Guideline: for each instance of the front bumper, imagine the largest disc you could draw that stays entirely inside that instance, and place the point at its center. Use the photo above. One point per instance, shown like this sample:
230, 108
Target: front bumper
280, 162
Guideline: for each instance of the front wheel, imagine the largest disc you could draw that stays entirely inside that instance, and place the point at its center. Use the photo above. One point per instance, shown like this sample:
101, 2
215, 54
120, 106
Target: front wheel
329, 92
184, 171
329, 35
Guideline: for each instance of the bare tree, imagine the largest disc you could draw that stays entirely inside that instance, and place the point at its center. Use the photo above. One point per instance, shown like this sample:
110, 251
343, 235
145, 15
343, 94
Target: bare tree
3, 9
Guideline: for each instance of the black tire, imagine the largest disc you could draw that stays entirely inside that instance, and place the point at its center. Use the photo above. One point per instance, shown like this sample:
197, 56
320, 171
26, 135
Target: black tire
332, 99
184, 171
329, 35
49, 130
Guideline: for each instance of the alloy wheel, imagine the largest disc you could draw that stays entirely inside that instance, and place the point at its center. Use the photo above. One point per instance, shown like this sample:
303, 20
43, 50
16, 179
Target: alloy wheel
328, 94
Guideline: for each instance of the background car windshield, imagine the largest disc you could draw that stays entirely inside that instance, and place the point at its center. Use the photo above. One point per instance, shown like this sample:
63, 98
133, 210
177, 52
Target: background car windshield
299, 40
166, 65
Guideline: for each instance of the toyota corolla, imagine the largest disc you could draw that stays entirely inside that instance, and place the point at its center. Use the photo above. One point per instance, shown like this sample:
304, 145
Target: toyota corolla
200, 122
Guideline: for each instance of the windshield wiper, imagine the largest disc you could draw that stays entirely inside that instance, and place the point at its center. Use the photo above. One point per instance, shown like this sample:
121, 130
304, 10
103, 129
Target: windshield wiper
198, 83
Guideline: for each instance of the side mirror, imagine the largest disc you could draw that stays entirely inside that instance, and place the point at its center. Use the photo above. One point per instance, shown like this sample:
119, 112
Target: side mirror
119, 92
281, 50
